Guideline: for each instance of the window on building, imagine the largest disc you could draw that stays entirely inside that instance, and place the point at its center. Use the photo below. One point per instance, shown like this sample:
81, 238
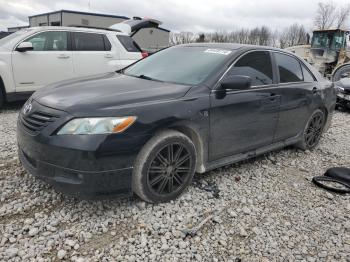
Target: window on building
257, 65
49, 41
289, 68
55, 23
42, 24
88, 42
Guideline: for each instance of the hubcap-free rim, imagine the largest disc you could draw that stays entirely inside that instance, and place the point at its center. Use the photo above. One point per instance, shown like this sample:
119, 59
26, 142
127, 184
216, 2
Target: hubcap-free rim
169, 169
314, 130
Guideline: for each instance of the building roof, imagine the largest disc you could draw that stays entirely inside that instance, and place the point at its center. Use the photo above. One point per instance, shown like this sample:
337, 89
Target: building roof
81, 13
88, 13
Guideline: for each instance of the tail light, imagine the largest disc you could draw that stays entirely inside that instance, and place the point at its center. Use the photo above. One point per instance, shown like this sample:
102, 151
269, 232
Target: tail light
144, 54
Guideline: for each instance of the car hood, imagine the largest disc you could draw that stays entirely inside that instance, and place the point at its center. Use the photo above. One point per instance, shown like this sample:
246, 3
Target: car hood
105, 91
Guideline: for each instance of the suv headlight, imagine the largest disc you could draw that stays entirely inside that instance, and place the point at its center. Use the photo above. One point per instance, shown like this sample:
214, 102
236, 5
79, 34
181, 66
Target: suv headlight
96, 125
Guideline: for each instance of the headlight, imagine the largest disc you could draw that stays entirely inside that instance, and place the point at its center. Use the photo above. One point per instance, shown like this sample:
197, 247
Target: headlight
98, 125
340, 89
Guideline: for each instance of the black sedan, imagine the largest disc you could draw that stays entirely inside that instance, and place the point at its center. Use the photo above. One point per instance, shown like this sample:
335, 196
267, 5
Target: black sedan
186, 109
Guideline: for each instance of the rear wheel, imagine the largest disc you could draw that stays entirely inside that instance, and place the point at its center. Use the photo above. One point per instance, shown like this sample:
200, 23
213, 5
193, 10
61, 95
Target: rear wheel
164, 167
313, 131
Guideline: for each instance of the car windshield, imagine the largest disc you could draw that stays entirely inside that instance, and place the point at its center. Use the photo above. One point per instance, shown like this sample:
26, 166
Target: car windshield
12, 36
181, 65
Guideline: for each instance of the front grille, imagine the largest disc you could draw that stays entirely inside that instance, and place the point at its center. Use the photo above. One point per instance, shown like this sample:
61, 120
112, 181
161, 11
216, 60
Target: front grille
34, 122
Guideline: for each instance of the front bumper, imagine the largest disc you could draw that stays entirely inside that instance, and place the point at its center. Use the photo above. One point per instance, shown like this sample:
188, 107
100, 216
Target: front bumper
343, 100
80, 184
85, 166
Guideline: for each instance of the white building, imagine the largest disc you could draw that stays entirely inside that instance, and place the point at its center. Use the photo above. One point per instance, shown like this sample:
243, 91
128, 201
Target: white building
149, 39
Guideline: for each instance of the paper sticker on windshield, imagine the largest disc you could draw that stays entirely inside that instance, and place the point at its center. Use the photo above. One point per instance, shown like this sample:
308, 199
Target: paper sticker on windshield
218, 51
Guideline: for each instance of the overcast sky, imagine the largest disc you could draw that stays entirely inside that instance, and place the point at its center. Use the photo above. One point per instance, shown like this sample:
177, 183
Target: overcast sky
178, 15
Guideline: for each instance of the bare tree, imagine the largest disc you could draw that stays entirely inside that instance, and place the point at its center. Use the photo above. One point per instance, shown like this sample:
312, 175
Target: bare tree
293, 35
343, 15
325, 15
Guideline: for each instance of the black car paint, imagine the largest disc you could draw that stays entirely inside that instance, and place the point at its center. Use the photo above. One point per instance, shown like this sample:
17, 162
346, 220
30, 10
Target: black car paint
226, 128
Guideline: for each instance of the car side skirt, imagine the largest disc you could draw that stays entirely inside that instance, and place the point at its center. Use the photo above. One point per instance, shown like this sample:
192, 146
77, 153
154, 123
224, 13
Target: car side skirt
247, 155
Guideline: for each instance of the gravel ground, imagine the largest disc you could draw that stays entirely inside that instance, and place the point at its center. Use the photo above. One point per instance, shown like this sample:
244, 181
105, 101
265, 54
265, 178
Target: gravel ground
264, 209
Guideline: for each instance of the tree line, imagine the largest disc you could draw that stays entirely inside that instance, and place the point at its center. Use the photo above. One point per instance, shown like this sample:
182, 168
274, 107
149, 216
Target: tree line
327, 16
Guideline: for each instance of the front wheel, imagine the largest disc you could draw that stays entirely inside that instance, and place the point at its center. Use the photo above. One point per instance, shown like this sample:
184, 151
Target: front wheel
164, 167
2, 99
313, 131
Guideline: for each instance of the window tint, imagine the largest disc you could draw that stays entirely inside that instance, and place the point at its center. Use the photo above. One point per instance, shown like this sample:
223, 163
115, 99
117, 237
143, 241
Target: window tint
88, 42
49, 41
289, 68
257, 65
308, 77
129, 44
108, 45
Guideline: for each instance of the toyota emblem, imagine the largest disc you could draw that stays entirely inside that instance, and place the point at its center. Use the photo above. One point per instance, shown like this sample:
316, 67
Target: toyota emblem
27, 108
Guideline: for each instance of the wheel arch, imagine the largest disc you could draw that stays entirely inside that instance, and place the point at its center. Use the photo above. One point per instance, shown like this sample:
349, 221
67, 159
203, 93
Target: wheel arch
2, 88
335, 70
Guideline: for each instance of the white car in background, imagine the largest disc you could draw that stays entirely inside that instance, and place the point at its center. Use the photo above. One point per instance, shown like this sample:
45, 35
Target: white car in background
35, 57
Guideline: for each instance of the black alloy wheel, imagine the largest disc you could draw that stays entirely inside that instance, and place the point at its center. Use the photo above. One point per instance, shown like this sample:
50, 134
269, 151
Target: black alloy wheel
314, 129
169, 169
164, 167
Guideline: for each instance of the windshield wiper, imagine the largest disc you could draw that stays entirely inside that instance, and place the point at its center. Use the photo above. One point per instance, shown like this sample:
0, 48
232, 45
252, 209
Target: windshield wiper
148, 78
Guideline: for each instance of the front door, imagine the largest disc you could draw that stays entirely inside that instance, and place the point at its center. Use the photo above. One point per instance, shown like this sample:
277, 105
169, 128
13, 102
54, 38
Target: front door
244, 120
49, 61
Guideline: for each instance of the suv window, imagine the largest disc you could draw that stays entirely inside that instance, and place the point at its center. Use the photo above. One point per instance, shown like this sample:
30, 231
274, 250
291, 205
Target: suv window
88, 42
49, 41
257, 65
289, 68
129, 44
308, 77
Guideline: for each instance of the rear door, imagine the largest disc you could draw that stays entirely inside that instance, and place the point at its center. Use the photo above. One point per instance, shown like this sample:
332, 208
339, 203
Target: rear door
297, 88
50, 61
245, 120
93, 53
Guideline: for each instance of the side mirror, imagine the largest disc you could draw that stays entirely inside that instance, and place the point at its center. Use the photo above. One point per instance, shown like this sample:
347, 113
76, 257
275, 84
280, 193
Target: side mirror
24, 46
236, 82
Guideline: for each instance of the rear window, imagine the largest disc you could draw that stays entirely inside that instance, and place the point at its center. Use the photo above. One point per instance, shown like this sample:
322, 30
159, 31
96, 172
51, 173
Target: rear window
129, 44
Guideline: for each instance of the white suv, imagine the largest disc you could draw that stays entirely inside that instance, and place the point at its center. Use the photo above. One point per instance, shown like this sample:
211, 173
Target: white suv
35, 57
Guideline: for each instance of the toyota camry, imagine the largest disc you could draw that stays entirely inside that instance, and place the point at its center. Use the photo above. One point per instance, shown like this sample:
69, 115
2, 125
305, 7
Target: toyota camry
186, 109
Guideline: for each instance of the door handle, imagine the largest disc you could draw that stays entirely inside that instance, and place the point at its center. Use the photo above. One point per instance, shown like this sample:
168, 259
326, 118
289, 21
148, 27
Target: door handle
108, 56
63, 56
314, 90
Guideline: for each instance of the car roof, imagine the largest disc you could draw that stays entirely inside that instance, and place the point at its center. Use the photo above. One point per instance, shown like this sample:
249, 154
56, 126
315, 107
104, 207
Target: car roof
234, 46
76, 28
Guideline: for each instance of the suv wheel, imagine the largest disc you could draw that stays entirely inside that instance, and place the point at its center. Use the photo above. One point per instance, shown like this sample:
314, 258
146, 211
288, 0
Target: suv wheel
2, 99
313, 131
164, 167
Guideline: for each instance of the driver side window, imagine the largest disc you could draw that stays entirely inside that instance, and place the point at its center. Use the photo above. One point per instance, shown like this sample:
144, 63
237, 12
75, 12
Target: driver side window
49, 41
257, 65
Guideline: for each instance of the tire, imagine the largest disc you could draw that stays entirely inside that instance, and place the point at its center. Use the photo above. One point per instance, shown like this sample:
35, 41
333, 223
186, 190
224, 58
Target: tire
159, 176
2, 99
312, 131
345, 69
